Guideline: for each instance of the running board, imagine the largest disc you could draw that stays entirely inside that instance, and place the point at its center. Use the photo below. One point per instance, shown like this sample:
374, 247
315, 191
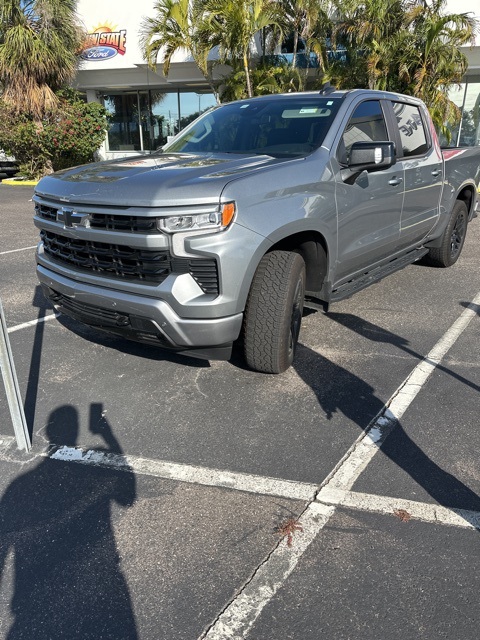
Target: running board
367, 278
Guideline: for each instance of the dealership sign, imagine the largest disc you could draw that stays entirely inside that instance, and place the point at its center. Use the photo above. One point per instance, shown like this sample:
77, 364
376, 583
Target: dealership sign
104, 42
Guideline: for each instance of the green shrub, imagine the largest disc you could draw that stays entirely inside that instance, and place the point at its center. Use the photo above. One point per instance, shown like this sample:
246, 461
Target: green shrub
67, 137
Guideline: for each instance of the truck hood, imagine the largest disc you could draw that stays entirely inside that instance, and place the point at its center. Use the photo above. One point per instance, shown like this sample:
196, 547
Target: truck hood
150, 181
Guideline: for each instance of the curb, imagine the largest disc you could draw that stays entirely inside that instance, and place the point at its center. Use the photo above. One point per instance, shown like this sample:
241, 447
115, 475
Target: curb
12, 182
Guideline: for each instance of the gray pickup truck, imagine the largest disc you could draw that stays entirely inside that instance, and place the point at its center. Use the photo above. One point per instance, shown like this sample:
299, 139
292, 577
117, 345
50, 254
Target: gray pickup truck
255, 209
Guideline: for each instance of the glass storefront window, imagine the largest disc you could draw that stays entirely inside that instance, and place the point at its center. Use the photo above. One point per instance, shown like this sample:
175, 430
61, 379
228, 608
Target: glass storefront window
143, 120
457, 95
161, 120
193, 105
470, 125
467, 132
124, 132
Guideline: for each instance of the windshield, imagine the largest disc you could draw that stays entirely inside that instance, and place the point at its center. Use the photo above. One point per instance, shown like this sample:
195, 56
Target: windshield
279, 127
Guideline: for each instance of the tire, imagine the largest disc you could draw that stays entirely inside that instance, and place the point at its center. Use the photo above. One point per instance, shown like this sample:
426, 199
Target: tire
273, 313
452, 240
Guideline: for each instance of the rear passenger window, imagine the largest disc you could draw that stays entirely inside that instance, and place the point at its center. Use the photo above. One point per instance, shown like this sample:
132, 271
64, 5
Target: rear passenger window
412, 131
367, 124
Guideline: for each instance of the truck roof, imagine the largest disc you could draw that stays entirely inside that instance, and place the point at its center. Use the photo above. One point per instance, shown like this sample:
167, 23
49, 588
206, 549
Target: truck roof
332, 92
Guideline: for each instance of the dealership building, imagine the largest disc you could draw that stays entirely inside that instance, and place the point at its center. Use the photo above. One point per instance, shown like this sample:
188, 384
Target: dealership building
146, 107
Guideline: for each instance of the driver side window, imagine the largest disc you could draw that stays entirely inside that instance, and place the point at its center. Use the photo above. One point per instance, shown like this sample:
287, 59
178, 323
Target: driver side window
367, 124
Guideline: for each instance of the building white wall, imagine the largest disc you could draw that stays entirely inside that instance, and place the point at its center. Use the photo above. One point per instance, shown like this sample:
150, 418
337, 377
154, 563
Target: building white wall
466, 6
116, 15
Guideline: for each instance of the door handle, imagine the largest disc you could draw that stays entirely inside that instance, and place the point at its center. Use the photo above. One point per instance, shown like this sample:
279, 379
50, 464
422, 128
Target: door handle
395, 181
436, 172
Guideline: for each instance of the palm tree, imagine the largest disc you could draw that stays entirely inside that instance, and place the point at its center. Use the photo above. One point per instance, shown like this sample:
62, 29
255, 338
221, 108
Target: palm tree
308, 21
175, 27
430, 60
232, 25
409, 46
366, 28
39, 43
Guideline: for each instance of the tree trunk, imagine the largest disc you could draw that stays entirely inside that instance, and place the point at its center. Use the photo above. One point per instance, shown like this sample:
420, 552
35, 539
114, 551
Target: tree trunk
247, 75
295, 49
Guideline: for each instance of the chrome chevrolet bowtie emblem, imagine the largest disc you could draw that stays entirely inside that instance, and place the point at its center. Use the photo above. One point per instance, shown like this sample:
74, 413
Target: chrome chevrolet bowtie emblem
71, 218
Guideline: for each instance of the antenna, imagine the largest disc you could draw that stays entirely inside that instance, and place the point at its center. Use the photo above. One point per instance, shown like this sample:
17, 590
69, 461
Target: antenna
327, 88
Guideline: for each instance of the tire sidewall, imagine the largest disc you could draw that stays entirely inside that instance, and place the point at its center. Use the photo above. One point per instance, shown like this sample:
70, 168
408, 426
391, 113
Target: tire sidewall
459, 210
276, 296
296, 290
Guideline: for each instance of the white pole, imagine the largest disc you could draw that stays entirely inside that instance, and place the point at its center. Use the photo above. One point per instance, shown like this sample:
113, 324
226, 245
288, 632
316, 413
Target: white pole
11, 387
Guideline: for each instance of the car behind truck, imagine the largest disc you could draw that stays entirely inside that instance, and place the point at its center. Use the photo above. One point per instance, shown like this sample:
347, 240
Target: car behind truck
256, 207
8, 164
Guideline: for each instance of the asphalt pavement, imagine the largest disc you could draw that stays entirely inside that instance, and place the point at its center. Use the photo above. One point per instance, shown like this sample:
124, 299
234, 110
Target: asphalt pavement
172, 498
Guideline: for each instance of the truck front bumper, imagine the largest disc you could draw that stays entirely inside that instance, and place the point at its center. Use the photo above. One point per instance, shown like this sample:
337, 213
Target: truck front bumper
139, 318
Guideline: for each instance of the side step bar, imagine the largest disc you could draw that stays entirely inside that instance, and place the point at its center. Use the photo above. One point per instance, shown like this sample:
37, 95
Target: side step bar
367, 278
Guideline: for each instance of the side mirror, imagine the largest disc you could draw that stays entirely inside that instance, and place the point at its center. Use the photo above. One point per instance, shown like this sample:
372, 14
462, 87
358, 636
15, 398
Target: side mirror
371, 155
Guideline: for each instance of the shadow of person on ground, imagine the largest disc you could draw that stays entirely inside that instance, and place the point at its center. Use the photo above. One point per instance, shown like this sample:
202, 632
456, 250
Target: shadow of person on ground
338, 390
58, 547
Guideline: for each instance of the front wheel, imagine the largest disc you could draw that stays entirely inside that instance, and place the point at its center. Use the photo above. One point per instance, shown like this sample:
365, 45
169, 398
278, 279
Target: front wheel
273, 314
452, 240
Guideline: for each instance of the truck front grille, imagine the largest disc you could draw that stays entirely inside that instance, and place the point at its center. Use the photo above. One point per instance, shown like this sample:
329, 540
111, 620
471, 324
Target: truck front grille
149, 266
130, 224
106, 221
46, 212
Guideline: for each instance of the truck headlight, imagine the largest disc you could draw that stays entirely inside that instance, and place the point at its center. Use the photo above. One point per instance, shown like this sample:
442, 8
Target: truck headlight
208, 222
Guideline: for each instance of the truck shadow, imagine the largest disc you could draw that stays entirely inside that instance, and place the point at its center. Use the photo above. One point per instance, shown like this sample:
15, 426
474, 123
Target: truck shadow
150, 352
338, 390
374, 333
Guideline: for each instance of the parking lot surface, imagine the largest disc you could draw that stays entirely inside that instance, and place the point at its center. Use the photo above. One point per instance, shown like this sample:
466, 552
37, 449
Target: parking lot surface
167, 497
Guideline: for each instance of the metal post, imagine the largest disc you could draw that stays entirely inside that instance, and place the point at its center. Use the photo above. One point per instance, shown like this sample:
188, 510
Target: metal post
11, 387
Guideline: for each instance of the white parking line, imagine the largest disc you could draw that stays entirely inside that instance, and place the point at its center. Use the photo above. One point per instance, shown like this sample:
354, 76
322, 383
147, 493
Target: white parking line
260, 485
32, 323
189, 473
6, 442
3, 253
404, 509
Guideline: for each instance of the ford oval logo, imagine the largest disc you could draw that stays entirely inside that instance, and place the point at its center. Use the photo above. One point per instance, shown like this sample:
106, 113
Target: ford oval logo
95, 54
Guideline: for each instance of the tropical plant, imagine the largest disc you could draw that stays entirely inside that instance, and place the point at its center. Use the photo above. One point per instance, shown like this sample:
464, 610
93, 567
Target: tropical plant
429, 57
68, 136
366, 30
409, 46
39, 41
309, 24
270, 76
234, 28
232, 25
175, 27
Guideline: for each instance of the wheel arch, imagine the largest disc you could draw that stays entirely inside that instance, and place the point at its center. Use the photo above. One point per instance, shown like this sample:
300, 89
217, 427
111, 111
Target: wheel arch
313, 248
467, 195
447, 249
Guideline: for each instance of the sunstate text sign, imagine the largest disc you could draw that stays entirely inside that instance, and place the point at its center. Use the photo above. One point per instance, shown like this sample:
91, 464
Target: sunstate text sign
104, 42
